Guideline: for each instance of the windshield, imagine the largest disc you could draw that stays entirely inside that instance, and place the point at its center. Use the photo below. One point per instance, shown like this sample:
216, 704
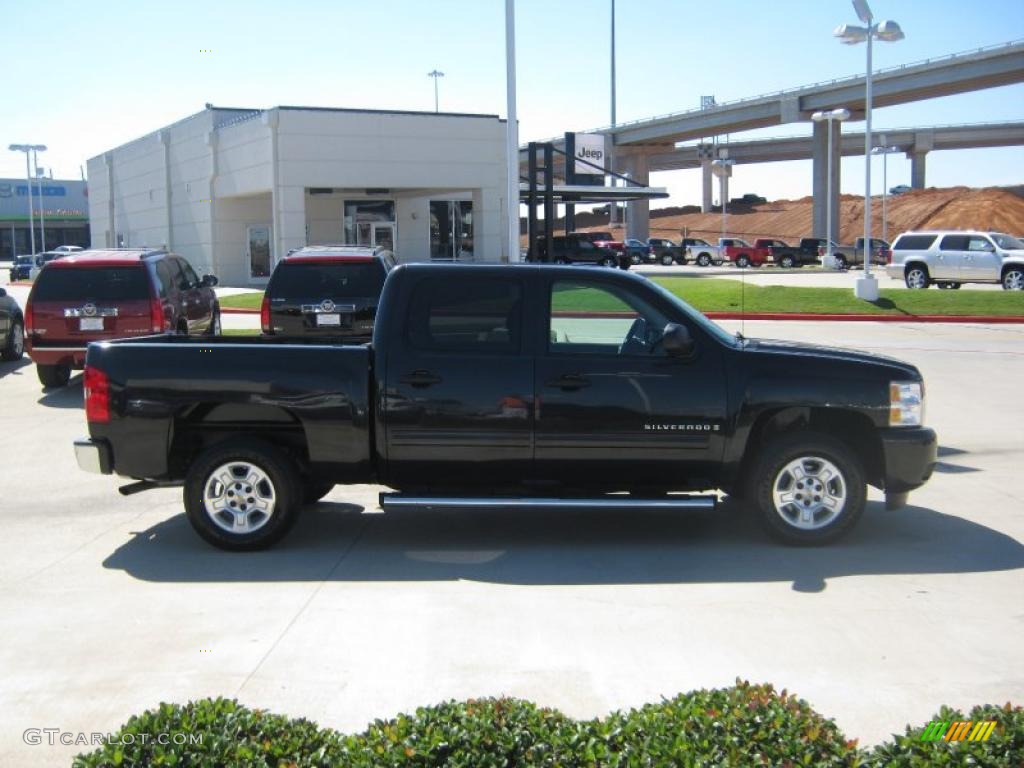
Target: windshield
713, 329
1006, 242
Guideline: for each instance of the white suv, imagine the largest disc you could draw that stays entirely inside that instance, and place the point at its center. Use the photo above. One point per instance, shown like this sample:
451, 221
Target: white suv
953, 257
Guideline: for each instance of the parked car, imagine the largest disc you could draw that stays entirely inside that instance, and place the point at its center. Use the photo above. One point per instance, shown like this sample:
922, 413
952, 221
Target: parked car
486, 385
701, 252
326, 290
42, 259
950, 258
848, 256
666, 252
805, 252
638, 251
108, 294
899, 189
604, 240
740, 252
68, 249
12, 328
577, 248
748, 199
21, 267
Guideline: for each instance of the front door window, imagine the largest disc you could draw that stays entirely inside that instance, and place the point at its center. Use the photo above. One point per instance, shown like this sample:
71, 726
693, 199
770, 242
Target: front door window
258, 238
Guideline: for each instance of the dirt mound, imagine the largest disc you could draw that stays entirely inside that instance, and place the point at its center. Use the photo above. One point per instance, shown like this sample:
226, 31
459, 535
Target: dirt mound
992, 208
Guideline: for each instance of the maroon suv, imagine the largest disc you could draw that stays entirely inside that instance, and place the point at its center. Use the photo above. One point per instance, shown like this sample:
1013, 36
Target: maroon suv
111, 294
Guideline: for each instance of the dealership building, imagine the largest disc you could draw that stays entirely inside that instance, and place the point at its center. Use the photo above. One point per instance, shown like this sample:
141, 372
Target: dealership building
59, 208
234, 190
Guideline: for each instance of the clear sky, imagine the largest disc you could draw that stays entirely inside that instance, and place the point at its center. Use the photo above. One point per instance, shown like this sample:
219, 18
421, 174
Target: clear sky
84, 77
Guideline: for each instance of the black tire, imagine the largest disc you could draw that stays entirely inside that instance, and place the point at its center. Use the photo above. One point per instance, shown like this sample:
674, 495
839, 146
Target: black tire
14, 347
277, 483
772, 472
943, 285
786, 262
608, 261
634, 257
841, 262
703, 260
742, 261
667, 260
1013, 279
916, 277
313, 490
53, 376
955, 286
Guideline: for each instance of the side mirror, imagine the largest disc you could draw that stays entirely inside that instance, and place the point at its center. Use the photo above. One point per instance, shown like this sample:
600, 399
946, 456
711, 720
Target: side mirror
677, 340
209, 281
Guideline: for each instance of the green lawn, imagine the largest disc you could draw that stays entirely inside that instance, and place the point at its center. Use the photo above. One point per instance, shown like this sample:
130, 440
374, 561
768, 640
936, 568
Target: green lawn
727, 295
243, 300
240, 332
724, 295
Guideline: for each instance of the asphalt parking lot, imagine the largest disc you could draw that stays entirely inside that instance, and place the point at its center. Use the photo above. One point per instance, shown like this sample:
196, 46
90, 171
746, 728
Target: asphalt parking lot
112, 604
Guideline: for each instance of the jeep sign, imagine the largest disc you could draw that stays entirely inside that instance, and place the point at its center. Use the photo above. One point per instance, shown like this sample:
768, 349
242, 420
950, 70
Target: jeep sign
590, 148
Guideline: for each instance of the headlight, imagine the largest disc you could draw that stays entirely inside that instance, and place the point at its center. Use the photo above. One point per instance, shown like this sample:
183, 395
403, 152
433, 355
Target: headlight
906, 404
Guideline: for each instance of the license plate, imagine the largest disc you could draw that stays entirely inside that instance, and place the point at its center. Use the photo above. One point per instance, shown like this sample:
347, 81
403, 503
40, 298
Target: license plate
328, 319
90, 324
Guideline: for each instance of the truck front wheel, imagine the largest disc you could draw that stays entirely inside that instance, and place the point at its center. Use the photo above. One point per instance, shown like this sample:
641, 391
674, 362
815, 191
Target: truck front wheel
786, 262
242, 495
808, 488
742, 261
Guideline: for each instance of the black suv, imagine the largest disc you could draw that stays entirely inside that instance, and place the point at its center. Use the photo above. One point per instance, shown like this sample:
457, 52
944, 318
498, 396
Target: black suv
326, 290
578, 248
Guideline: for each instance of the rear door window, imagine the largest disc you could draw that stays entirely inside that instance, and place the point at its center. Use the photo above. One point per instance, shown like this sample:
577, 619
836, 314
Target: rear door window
914, 243
954, 243
188, 274
357, 279
165, 279
94, 283
471, 315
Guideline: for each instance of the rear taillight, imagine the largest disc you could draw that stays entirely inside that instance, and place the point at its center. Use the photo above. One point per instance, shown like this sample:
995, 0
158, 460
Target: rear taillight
156, 315
96, 386
885, 255
30, 319
822, 250
265, 314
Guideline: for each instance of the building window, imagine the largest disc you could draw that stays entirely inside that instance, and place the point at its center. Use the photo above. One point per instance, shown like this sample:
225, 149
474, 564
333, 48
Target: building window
361, 215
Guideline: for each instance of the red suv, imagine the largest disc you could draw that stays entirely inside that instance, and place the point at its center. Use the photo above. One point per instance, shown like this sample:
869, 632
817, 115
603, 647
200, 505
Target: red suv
110, 294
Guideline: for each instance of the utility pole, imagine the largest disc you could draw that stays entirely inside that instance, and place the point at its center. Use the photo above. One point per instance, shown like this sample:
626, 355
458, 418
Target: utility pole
435, 74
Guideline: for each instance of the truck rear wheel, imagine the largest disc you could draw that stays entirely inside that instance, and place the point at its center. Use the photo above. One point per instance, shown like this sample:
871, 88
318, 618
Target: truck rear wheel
667, 260
53, 376
786, 262
703, 260
807, 488
841, 261
742, 261
242, 495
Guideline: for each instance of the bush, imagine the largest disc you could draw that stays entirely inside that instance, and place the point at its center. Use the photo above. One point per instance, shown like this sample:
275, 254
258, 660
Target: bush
745, 724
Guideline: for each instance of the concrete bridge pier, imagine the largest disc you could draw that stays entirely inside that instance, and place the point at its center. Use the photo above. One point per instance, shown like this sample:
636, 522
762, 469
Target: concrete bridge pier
823, 167
924, 142
638, 212
706, 153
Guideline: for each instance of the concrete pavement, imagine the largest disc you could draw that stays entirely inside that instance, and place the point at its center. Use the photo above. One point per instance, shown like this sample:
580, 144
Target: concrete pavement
112, 604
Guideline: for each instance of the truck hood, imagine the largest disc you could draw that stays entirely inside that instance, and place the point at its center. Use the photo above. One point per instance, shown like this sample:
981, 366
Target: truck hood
882, 364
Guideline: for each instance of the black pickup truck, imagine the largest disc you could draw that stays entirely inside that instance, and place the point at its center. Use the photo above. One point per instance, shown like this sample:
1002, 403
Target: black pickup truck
509, 386
797, 256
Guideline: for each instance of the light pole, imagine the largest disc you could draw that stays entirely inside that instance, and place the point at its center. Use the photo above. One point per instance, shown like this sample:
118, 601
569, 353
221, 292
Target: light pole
27, 148
885, 150
511, 134
722, 168
613, 207
435, 74
40, 177
886, 31
839, 115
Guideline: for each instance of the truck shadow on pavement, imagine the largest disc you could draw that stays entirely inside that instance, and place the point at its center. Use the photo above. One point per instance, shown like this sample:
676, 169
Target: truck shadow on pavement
70, 396
14, 366
339, 542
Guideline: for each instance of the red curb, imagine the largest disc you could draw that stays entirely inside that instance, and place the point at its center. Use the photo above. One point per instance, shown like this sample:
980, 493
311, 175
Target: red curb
239, 311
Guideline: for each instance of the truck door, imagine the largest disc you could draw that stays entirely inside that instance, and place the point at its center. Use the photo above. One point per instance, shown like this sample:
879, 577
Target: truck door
613, 409
458, 401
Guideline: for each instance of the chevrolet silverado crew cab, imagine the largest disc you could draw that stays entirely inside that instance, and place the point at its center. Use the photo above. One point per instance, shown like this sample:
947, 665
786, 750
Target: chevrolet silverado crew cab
326, 290
509, 386
952, 258
91, 295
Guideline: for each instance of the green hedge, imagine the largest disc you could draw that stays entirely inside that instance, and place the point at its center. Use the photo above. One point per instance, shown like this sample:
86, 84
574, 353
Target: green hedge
745, 724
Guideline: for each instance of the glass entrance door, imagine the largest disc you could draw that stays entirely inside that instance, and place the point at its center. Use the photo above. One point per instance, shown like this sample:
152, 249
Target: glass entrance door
383, 235
258, 246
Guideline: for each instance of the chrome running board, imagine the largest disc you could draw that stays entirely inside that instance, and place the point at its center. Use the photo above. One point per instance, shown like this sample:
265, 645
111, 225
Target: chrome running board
396, 501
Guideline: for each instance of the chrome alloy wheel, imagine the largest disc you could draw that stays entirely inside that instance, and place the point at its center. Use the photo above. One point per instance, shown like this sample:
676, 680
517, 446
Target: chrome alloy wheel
809, 493
239, 497
17, 341
1013, 280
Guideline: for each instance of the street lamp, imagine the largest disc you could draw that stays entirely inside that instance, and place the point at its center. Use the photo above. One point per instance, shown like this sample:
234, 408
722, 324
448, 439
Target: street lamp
839, 115
435, 74
885, 150
722, 168
26, 148
851, 34
40, 177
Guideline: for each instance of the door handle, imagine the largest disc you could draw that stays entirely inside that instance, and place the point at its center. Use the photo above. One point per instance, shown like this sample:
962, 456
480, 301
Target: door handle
420, 378
569, 381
